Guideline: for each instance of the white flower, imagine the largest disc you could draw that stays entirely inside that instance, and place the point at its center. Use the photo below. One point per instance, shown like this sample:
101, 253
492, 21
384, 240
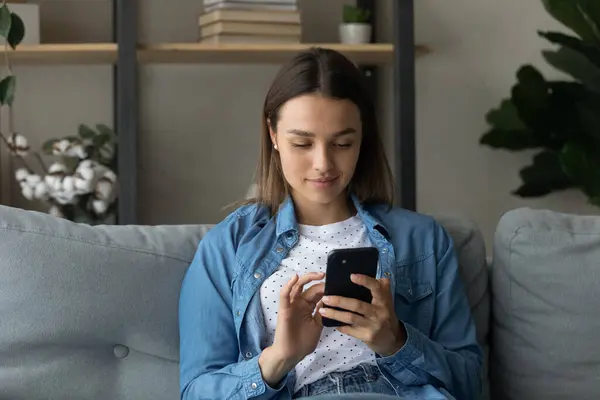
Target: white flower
78, 151
60, 148
99, 206
55, 211
69, 148
27, 191
104, 189
68, 184
41, 191
33, 179
88, 164
58, 169
18, 144
21, 174
63, 197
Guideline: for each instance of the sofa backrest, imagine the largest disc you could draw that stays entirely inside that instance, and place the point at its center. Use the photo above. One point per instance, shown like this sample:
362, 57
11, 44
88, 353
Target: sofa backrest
91, 312
546, 306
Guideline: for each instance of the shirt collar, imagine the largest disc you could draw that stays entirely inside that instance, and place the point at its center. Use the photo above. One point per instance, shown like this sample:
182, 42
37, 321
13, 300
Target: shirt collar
286, 218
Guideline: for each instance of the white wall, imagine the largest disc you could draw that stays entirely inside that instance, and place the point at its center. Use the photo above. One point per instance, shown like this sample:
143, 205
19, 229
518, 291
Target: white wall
199, 124
478, 47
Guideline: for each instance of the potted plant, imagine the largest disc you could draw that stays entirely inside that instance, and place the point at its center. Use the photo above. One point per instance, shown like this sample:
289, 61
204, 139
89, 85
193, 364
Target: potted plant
81, 184
558, 119
355, 28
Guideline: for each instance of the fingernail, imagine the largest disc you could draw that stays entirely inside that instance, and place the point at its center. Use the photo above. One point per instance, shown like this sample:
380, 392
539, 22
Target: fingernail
323, 310
326, 299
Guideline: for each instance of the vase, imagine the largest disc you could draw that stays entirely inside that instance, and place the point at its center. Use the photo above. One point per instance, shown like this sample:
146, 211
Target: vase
355, 33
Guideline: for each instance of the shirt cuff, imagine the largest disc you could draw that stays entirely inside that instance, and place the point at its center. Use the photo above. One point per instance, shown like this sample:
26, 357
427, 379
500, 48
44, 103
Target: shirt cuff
254, 384
409, 354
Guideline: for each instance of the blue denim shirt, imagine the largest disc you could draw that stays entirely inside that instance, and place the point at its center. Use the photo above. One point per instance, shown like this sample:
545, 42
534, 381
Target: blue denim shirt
222, 325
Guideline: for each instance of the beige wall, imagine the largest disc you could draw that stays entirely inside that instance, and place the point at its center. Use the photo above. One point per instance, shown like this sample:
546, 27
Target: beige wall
199, 124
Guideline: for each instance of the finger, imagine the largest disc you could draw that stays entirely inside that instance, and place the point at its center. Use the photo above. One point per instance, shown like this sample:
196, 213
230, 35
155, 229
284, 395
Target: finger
303, 280
284, 294
344, 316
317, 316
314, 293
349, 304
355, 332
370, 283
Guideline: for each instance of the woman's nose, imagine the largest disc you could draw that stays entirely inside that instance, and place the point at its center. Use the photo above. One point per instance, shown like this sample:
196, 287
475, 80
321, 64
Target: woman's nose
323, 160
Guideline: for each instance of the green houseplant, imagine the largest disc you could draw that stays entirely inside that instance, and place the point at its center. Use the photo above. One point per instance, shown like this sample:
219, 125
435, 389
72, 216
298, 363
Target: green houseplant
80, 184
558, 119
355, 27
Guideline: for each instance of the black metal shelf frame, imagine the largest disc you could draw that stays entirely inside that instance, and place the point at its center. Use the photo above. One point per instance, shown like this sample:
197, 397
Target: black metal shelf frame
403, 67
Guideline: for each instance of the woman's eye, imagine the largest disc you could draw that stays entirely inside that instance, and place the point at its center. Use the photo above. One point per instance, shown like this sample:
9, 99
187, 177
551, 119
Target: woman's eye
301, 145
344, 145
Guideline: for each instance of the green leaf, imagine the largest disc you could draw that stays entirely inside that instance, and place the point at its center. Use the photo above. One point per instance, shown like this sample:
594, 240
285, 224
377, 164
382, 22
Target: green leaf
103, 129
47, 145
85, 132
17, 31
101, 139
5, 21
589, 120
505, 117
590, 51
583, 167
543, 177
576, 65
531, 98
510, 139
581, 16
7, 89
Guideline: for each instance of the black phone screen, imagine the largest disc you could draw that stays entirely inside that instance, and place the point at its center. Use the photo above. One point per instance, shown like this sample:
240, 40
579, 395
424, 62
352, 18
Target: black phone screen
341, 263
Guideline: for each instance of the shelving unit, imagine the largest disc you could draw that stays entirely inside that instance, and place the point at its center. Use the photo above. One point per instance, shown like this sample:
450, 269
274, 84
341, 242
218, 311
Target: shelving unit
176, 53
381, 53
126, 55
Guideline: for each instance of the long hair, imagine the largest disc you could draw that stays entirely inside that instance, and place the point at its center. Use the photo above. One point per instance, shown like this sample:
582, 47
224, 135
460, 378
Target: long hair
329, 73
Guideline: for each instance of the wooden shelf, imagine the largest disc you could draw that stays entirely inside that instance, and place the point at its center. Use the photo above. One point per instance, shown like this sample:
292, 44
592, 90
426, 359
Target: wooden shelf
84, 53
174, 53
379, 53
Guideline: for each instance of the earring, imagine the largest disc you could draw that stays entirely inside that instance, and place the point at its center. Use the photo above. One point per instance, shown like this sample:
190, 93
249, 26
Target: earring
275, 147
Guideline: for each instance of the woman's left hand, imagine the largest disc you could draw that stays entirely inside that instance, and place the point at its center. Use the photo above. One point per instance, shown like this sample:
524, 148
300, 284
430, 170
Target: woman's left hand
376, 323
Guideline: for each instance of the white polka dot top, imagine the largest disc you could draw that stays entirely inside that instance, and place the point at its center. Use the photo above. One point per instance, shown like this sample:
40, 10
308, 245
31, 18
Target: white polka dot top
335, 351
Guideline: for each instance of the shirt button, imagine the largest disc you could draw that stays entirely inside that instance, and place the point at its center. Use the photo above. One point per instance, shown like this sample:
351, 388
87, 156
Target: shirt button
254, 386
387, 273
238, 313
257, 275
410, 291
279, 249
384, 251
248, 355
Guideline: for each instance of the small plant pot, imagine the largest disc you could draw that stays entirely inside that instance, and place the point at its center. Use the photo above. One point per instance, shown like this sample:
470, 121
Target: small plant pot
355, 33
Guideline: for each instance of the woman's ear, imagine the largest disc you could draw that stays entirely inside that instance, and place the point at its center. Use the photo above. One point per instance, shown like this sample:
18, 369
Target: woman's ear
272, 135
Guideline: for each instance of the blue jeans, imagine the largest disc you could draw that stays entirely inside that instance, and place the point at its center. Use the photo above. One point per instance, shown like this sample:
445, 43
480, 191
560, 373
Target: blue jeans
365, 378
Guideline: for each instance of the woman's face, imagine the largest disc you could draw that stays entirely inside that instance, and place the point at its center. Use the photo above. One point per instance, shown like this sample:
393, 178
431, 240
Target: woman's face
318, 140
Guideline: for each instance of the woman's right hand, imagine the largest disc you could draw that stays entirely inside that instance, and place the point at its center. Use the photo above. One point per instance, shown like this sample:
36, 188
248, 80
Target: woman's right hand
298, 329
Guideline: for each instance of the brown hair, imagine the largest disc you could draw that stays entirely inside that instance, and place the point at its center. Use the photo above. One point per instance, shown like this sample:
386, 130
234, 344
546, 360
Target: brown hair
329, 73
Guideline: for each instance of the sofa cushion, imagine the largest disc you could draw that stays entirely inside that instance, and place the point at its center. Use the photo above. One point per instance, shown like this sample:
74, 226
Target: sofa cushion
546, 314
90, 312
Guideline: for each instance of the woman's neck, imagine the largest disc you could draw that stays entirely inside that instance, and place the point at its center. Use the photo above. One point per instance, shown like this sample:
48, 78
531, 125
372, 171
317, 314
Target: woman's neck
316, 214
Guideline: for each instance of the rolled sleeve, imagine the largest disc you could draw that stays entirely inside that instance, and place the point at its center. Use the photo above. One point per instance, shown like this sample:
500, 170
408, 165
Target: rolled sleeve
254, 385
409, 354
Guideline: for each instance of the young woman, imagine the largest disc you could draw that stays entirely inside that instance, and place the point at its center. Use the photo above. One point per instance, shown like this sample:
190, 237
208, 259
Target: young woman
251, 301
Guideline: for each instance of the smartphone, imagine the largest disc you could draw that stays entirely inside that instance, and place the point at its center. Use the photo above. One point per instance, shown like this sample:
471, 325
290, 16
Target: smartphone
341, 263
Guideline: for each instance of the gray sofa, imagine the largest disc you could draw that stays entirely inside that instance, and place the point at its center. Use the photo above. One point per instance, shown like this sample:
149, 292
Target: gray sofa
91, 312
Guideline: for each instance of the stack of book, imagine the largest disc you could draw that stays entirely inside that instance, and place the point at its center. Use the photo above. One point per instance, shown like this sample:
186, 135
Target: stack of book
250, 21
